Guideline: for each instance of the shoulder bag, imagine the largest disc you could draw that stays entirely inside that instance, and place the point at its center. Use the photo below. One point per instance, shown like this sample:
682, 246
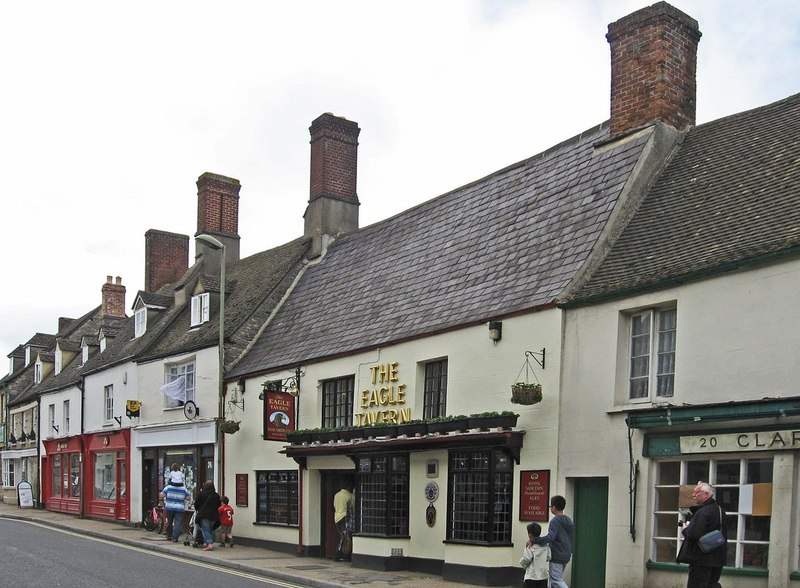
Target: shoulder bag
712, 540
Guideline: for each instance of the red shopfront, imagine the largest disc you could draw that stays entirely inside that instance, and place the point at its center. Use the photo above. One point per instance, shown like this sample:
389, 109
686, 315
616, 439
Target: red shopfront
61, 475
107, 475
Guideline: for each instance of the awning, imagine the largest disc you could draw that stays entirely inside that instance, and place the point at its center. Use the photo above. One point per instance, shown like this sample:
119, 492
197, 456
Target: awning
675, 416
511, 440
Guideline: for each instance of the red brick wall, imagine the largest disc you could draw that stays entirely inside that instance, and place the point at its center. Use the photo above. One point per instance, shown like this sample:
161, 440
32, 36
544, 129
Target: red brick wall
334, 158
166, 258
113, 298
217, 205
653, 67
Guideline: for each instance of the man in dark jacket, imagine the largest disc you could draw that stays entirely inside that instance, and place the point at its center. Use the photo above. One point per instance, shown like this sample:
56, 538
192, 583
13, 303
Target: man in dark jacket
559, 537
704, 568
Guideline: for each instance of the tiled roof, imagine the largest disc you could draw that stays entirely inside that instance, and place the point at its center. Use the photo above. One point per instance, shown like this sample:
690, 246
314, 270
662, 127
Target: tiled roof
730, 196
67, 345
254, 286
507, 243
153, 299
18, 352
41, 340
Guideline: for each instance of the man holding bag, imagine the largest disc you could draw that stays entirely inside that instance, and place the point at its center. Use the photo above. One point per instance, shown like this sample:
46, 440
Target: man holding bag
705, 567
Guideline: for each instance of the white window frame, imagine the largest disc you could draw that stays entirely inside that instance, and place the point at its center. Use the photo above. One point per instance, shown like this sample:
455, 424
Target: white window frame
37, 372
65, 418
108, 403
652, 351
51, 420
173, 372
140, 322
102, 344
58, 361
8, 473
84, 354
200, 306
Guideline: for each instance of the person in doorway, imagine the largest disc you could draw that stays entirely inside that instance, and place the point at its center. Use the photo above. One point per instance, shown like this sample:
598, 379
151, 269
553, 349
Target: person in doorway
225, 523
559, 537
206, 505
535, 559
343, 504
174, 498
705, 569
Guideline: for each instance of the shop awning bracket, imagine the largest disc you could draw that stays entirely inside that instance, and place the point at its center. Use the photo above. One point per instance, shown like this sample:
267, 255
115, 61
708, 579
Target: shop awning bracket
633, 484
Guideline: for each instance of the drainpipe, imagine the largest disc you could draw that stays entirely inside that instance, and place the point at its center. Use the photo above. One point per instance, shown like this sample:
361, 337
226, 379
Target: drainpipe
81, 456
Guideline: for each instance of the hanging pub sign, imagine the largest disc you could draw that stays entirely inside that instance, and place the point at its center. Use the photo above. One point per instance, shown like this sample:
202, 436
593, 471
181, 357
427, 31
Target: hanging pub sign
278, 415
132, 408
534, 497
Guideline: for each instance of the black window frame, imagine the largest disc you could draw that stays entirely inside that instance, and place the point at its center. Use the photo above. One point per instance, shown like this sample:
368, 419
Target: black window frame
337, 402
266, 490
382, 495
487, 472
435, 395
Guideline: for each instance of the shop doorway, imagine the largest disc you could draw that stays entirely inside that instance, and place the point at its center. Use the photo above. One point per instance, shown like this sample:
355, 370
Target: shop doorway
331, 484
591, 537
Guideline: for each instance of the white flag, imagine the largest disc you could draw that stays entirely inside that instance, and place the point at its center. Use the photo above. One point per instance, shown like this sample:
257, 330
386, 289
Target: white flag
176, 389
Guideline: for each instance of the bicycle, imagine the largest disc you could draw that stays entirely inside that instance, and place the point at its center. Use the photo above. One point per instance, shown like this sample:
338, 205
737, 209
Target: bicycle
154, 518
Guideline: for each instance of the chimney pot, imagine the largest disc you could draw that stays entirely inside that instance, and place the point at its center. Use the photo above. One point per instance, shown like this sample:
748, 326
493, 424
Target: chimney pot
166, 258
218, 211
113, 295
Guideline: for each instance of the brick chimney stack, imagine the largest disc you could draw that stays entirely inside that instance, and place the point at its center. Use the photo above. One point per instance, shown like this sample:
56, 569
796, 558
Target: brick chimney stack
113, 298
218, 212
166, 258
333, 202
653, 66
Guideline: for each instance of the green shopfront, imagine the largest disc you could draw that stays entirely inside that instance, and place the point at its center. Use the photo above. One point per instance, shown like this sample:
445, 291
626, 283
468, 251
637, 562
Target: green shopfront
749, 452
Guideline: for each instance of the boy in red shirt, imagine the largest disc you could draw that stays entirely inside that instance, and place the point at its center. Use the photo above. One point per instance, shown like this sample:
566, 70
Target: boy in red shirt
225, 523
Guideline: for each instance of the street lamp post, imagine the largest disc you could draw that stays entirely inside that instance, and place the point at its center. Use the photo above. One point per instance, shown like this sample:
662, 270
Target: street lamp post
218, 245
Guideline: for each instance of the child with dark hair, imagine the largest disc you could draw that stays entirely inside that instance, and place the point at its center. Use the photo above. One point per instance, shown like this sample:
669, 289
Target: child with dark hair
535, 559
225, 523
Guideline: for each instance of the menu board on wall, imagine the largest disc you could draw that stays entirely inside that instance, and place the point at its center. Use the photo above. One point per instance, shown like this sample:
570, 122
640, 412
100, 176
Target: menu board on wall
241, 489
534, 495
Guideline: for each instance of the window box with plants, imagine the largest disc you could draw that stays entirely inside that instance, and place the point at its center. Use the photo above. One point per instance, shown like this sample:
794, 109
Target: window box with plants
414, 428
493, 420
380, 430
448, 424
350, 433
300, 436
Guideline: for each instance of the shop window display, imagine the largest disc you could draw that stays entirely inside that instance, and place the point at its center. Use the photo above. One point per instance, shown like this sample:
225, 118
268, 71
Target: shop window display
740, 485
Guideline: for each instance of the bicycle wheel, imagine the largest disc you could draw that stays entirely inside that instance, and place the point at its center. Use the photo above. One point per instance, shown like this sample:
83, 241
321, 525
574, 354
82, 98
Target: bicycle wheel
148, 521
160, 523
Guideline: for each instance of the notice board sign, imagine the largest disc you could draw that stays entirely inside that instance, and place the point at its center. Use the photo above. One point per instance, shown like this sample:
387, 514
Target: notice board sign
241, 489
534, 497
25, 495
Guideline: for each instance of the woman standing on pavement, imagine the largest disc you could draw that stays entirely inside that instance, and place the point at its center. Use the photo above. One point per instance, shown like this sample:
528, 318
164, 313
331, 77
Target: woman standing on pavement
206, 505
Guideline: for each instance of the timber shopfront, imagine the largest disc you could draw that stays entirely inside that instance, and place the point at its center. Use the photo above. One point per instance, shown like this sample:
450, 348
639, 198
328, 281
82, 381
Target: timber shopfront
107, 475
62, 474
747, 451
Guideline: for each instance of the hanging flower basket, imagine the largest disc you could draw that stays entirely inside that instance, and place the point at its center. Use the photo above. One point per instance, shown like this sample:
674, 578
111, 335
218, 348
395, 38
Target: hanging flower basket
523, 393
229, 427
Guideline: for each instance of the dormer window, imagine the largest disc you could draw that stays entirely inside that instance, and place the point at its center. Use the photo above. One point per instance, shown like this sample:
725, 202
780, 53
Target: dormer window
84, 354
140, 321
102, 343
27, 356
37, 372
200, 309
58, 361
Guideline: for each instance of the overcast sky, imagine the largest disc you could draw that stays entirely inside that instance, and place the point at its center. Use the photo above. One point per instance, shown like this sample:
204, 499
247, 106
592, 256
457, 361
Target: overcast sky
110, 111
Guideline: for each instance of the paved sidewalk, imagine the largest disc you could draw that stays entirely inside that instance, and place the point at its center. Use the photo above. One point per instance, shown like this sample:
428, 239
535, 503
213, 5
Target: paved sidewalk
303, 571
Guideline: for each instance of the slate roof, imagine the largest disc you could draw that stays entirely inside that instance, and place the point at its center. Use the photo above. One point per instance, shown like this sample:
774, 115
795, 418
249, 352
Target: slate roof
504, 244
729, 197
154, 299
254, 287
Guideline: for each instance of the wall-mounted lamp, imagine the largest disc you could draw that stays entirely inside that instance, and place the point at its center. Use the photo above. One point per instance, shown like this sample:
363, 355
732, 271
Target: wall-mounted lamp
495, 330
237, 395
533, 354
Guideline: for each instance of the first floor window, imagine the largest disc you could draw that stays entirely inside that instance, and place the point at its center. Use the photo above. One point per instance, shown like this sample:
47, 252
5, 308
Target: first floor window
481, 489
200, 309
337, 402
8, 473
186, 393
652, 354
735, 482
435, 389
51, 420
276, 495
65, 418
382, 495
108, 402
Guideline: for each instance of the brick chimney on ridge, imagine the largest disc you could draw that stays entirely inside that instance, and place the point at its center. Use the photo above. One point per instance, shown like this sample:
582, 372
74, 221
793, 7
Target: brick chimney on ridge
333, 202
653, 66
166, 258
113, 298
218, 214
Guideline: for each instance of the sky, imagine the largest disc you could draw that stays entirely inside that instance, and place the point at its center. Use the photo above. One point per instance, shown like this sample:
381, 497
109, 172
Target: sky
111, 110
